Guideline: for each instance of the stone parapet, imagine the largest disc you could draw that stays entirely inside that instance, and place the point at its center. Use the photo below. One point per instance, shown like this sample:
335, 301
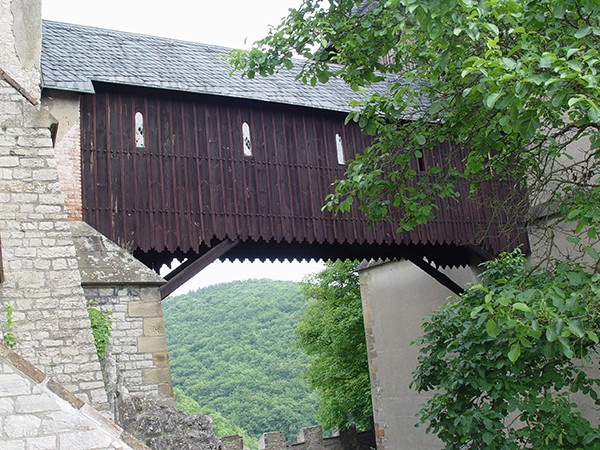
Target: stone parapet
310, 438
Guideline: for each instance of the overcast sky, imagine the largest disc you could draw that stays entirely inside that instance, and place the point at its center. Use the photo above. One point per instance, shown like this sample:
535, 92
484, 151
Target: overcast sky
223, 22
229, 23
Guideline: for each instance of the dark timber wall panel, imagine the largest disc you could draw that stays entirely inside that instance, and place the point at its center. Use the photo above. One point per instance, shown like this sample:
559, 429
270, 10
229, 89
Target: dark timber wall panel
191, 186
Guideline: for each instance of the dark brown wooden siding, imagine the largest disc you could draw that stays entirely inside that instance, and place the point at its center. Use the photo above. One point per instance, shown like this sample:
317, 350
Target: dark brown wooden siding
191, 186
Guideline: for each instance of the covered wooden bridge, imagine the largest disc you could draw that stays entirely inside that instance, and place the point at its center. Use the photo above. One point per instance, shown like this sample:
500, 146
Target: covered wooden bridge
180, 160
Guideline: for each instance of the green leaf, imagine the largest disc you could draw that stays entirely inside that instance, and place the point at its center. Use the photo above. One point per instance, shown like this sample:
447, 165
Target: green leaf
582, 32
514, 352
593, 253
491, 99
521, 307
575, 328
492, 328
476, 311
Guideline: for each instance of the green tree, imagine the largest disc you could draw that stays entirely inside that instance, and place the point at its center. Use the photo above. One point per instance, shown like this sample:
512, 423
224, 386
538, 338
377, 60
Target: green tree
513, 85
331, 331
232, 349
494, 399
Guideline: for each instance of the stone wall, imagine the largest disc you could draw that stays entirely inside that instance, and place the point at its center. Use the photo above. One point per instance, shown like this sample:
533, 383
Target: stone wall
41, 276
20, 45
396, 296
36, 412
136, 363
310, 438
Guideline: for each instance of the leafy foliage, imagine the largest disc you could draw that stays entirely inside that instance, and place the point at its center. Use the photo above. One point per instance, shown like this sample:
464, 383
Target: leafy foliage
502, 357
8, 338
233, 350
331, 331
100, 322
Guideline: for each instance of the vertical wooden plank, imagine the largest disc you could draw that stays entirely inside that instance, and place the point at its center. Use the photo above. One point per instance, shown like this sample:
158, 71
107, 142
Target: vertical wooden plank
238, 167
127, 173
204, 173
286, 212
176, 166
88, 157
188, 181
155, 180
271, 179
226, 162
305, 210
141, 179
248, 165
215, 172
259, 176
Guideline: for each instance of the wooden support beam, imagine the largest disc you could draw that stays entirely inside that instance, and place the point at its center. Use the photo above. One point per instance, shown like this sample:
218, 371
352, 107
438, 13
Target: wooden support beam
440, 277
194, 267
181, 267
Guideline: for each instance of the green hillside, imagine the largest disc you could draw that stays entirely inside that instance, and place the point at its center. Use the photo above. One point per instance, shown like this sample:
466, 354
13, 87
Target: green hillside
232, 349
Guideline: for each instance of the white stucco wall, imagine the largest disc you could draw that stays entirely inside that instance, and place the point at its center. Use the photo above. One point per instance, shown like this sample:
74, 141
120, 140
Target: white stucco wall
396, 296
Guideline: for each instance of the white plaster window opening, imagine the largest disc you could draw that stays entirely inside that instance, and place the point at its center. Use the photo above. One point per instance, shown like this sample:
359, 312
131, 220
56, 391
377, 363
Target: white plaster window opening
246, 139
340, 149
139, 130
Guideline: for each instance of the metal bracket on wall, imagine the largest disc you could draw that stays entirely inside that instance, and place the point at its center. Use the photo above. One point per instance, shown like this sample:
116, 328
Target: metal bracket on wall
187, 270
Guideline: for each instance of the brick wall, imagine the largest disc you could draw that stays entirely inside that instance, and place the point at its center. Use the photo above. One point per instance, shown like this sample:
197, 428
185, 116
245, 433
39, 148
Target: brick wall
64, 107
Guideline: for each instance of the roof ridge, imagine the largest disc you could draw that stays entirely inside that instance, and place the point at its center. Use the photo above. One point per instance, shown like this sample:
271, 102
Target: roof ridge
113, 31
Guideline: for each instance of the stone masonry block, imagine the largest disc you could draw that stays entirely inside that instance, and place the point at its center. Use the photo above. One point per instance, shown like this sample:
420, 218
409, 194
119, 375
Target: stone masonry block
7, 406
34, 403
12, 385
272, 441
62, 421
18, 444
150, 295
156, 376
144, 309
154, 326
84, 440
152, 344
232, 442
160, 359
312, 437
42, 443
165, 390
21, 426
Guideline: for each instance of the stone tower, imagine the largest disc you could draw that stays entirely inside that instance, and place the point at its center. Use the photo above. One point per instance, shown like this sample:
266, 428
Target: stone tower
41, 279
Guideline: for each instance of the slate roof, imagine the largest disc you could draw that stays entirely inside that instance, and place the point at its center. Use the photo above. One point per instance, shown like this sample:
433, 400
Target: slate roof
75, 55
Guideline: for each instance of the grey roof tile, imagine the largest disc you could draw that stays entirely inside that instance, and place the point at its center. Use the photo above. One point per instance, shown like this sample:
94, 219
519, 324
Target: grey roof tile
75, 55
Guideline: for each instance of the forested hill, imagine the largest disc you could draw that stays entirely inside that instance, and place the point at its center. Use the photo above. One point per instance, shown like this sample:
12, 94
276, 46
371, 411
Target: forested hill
232, 349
